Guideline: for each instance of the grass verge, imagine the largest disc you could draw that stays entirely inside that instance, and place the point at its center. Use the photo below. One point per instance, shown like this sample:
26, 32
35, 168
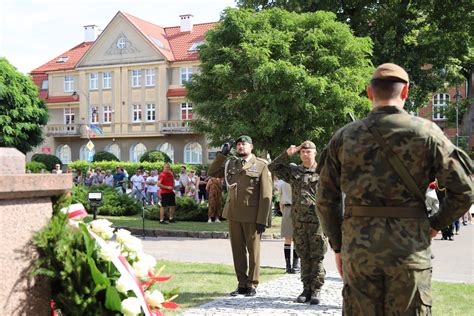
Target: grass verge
453, 299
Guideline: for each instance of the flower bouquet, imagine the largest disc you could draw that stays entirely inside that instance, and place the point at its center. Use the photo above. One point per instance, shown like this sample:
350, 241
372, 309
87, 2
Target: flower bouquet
92, 275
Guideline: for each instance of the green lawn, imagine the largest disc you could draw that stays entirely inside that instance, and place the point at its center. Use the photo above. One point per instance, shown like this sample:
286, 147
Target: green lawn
453, 299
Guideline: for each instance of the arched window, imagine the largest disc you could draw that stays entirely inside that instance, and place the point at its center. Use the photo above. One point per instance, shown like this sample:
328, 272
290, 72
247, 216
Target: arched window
63, 152
440, 102
83, 152
114, 149
193, 153
168, 149
136, 151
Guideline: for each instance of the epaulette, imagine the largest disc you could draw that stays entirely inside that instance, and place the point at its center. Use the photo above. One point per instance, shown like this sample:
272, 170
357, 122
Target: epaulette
262, 160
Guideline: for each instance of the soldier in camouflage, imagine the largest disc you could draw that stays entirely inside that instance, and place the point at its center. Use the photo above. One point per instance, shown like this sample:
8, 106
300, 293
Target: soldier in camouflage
308, 237
382, 237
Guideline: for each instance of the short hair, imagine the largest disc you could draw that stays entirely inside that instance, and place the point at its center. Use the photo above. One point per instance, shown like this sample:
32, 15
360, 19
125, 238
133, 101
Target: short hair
386, 89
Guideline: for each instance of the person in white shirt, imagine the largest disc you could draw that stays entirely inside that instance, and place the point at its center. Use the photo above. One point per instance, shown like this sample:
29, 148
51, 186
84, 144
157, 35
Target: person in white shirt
152, 187
109, 178
183, 180
138, 185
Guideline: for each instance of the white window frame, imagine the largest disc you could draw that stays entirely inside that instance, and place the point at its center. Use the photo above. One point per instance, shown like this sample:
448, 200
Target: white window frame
150, 77
168, 149
106, 80
94, 118
107, 114
114, 148
63, 152
136, 112
93, 81
134, 155
439, 105
136, 78
45, 85
193, 153
187, 107
69, 116
150, 112
186, 74
68, 84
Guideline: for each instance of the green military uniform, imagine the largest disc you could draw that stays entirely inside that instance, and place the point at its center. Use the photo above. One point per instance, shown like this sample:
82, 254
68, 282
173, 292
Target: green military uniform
308, 236
383, 233
248, 203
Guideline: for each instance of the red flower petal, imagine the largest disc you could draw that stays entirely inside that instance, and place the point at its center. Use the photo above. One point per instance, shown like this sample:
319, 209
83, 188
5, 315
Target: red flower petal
170, 305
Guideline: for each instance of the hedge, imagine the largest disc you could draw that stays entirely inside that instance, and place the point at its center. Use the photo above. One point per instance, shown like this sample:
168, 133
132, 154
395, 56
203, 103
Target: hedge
187, 209
104, 156
36, 167
49, 160
155, 156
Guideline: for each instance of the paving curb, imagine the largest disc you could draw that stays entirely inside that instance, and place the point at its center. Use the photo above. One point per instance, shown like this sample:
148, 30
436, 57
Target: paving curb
186, 233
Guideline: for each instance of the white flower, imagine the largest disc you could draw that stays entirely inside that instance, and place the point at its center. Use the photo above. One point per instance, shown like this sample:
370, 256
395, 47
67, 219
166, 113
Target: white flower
121, 235
150, 261
109, 252
133, 244
131, 306
124, 284
141, 268
102, 228
155, 298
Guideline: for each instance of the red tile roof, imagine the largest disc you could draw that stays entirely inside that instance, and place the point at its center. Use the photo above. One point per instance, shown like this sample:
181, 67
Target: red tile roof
178, 92
38, 78
74, 54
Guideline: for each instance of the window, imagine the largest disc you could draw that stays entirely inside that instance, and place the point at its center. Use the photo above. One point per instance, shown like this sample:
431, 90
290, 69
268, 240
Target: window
68, 84
186, 74
63, 152
114, 149
94, 114
186, 111
136, 152
106, 80
195, 46
150, 77
168, 149
440, 101
150, 112
83, 151
44, 85
68, 116
121, 43
137, 113
62, 59
193, 153
136, 78
93, 81
107, 114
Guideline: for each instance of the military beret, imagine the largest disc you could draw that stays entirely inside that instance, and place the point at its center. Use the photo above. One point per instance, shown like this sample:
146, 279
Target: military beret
308, 145
391, 72
244, 138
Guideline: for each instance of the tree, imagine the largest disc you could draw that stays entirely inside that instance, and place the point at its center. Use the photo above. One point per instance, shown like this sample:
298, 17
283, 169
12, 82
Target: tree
432, 39
50, 161
155, 156
279, 77
104, 156
22, 113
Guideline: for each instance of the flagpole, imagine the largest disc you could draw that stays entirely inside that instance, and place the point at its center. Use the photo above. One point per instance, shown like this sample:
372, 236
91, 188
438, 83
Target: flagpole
88, 121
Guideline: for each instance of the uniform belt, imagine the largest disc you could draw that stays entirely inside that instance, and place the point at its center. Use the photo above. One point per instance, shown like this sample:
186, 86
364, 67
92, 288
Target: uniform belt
385, 211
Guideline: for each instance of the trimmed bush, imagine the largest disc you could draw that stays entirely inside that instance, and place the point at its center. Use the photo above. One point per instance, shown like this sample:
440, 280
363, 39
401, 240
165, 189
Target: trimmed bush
36, 167
186, 210
104, 156
48, 160
155, 156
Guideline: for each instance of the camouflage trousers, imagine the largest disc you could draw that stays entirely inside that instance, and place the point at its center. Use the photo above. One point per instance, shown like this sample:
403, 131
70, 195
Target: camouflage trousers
310, 246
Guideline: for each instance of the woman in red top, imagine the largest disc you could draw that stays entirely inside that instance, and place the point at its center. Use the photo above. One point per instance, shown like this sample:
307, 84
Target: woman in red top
168, 199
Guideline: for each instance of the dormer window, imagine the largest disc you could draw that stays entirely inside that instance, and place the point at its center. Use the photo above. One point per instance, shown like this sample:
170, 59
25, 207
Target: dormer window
62, 59
195, 46
44, 85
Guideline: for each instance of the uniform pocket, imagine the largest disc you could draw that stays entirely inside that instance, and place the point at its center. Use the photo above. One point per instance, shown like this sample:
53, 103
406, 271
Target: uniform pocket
318, 246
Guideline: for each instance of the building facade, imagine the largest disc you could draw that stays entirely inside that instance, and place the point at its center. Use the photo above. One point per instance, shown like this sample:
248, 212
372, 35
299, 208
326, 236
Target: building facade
124, 90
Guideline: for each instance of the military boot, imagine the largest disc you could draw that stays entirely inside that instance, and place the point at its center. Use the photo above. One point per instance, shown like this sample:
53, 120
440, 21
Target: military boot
315, 297
304, 296
288, 266
296, 265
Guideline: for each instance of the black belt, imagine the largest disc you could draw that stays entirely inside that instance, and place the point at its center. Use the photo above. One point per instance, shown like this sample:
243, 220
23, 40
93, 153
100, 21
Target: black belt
287, 205
385, 211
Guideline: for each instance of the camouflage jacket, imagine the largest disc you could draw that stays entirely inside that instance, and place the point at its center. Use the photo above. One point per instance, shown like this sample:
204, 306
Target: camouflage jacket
303, 183
356, 166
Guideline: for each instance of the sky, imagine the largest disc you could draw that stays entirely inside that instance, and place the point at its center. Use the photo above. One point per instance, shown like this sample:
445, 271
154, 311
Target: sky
32, 32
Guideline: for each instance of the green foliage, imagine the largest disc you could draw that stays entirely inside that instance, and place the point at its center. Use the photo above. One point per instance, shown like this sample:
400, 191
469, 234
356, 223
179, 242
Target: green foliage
294, 76
186, 210
48, 160
104, 156
155, 156
22, 113
413, 34
113, 203
36, 167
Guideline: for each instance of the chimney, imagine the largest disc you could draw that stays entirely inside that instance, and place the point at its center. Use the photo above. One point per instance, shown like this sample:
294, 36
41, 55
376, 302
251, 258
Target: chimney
90, 33
186, 23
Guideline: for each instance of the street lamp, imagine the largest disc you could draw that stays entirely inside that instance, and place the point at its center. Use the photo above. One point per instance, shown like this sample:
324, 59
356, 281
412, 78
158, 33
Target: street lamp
458, 97
90, 114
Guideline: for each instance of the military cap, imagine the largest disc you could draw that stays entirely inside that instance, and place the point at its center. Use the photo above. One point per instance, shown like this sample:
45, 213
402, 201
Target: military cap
390, 71
308, 145
244, 138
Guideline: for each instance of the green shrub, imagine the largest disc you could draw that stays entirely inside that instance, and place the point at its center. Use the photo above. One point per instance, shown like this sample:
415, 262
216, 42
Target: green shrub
49, 160
153, 212
104, 156
36, 167
187, 209
155, 156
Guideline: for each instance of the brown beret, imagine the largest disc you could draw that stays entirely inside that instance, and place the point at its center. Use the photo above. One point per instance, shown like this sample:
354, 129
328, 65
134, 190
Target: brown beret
390, 71
308, 145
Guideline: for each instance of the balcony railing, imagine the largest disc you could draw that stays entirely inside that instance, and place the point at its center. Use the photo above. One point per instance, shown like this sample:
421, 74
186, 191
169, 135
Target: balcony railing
63, 130
175, 127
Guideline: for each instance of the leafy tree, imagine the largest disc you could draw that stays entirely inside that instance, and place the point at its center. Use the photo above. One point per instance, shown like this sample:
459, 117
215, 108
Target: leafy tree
49, 161
413, 34
155, 156
22, 112
104, 156
279, 77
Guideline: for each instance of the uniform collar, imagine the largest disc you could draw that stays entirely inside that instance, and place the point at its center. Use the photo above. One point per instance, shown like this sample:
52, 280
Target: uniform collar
386, 109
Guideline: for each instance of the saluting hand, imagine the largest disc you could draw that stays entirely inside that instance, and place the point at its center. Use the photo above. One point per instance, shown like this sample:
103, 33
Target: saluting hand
292, 150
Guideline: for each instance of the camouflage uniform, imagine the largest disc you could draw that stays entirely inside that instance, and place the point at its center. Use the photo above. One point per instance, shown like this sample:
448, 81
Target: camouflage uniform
386, 258
308, 237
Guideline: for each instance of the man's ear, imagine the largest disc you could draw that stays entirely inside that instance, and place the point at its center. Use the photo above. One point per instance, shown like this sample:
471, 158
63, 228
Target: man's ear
404, 93
369, 93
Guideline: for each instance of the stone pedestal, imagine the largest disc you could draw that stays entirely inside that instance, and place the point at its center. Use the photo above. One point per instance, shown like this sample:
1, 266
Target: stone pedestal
25, 207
